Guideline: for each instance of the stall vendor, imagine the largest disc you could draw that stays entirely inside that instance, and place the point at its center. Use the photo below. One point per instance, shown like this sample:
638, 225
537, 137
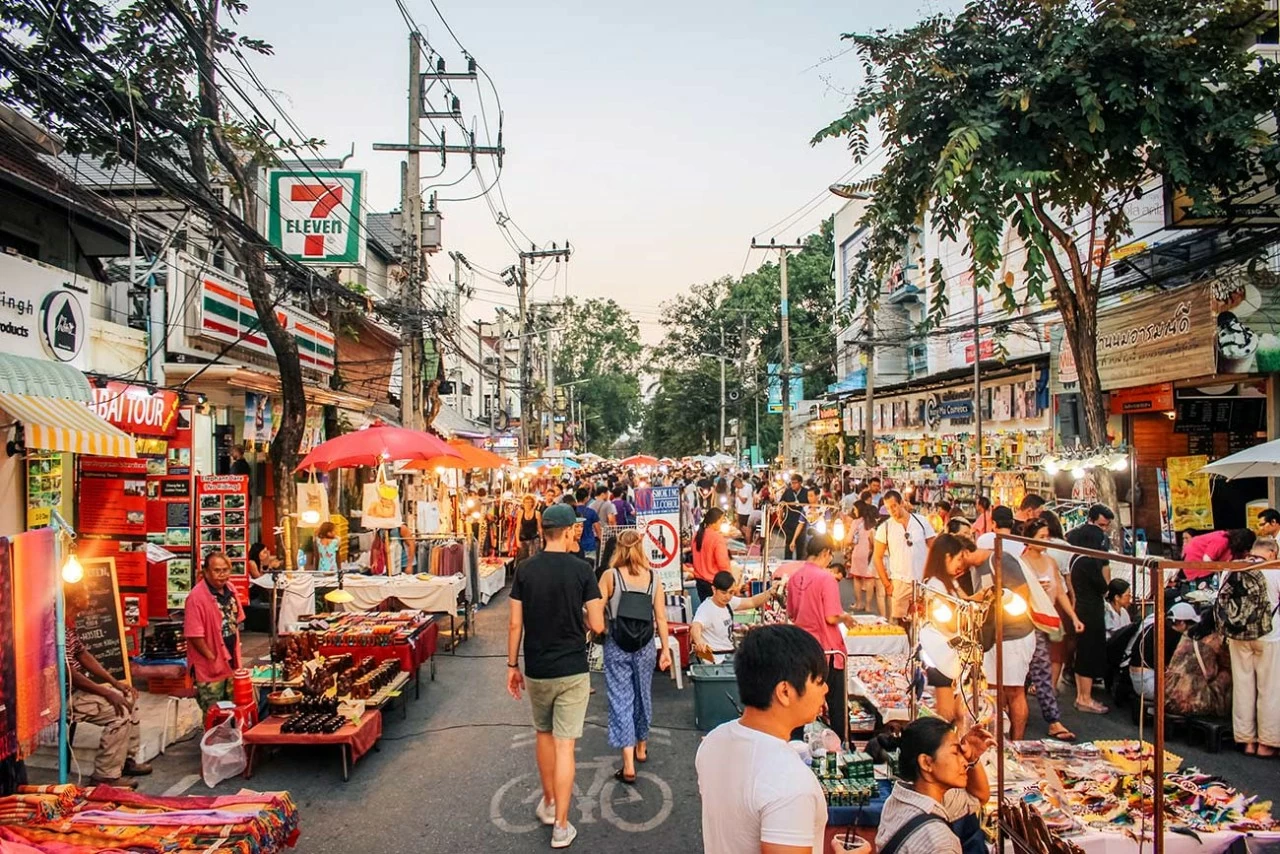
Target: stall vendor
99, 698
212, 630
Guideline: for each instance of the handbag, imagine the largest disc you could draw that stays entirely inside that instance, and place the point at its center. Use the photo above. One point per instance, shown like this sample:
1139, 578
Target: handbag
1044, 616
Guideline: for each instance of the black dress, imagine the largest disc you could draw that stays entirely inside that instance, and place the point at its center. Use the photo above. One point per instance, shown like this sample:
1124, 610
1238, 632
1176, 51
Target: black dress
1091, 587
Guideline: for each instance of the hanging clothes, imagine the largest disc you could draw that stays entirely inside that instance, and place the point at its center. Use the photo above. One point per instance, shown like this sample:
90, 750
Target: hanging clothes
8, 673
35, 630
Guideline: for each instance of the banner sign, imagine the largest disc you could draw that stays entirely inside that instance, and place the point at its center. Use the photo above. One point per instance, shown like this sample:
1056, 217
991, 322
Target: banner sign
44, 312
1189, 493
1248, 315
227, 315
1163, 338
658, 520
222, 523
137, 411
318, 216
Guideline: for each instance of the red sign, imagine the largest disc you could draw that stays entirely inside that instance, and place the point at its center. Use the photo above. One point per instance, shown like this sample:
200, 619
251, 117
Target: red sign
988, 351
113, 497
137, 411
1142, 398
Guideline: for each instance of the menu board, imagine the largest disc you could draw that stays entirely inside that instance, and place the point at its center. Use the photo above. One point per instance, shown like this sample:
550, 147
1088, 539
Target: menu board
1189, 494
222, 524
113, 496
44, 488
100, 621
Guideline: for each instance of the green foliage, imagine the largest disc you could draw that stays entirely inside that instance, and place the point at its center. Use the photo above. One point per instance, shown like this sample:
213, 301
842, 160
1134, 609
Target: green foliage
684, 413
1045, 116
600, 351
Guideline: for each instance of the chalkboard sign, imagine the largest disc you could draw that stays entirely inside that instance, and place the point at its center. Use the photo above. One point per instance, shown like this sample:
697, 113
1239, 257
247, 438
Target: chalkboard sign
100, 624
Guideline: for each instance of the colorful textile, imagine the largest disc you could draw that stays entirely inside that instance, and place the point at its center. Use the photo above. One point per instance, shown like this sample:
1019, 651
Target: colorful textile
35, 581
8, 683
71, 820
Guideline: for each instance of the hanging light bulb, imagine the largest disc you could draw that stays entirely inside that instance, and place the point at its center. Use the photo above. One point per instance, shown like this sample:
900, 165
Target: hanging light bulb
1014, 605
471, 502
1119, 463
311, 517
724, 527
1078, 473
72, 571
339, 596
821, 526
837, 531
941, 612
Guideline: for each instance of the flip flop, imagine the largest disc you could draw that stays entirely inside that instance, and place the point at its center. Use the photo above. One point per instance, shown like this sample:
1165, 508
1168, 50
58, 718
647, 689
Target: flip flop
1063, 735
621, 777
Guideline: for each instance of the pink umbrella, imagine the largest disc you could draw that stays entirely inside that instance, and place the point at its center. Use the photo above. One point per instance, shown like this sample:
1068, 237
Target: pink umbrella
373, 446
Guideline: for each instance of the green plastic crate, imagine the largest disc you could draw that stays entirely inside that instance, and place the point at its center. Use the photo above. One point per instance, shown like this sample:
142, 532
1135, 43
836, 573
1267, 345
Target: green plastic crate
715, 695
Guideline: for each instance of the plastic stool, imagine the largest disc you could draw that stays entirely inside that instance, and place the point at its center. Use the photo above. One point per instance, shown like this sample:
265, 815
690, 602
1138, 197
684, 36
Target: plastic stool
674, 646
1213, 731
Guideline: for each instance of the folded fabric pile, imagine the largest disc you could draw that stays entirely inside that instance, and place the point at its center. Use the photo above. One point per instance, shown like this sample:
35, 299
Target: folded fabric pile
71, 820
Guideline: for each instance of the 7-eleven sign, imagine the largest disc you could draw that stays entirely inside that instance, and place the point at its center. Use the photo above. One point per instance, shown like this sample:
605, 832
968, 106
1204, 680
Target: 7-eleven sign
318, 216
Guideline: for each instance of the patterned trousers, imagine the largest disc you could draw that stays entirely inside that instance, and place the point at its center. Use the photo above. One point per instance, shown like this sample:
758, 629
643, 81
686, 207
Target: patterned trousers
628, 678
1041, 676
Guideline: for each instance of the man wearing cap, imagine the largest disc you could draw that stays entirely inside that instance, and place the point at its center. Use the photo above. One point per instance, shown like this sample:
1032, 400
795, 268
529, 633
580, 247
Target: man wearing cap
1142, 649
554, 600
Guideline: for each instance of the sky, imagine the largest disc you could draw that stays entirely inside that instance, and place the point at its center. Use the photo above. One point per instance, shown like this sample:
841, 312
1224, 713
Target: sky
658, 139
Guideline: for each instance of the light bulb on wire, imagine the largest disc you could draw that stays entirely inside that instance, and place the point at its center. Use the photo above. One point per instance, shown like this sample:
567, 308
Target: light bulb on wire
821, 526
72, 571
837, 531
1078, 473
941, 612
1014, 605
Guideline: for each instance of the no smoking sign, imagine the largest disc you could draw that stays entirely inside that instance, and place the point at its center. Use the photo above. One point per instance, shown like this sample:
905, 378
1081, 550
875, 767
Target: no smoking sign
662, 541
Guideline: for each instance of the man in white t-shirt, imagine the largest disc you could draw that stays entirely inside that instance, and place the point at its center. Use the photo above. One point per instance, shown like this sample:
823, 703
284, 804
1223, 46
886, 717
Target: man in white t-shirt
743, 505
904, 538
758, 796
1002, 521
711, 632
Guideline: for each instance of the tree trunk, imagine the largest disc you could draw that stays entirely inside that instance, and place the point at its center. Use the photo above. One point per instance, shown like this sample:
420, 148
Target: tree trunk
1082, 334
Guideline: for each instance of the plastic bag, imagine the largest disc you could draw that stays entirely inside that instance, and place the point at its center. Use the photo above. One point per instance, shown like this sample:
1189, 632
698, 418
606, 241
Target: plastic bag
222, 753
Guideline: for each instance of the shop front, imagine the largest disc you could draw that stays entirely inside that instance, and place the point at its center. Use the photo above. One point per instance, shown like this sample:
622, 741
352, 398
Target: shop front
1186, 374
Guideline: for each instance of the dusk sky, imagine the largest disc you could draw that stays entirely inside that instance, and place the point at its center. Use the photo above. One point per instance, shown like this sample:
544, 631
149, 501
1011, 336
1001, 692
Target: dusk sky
657, 138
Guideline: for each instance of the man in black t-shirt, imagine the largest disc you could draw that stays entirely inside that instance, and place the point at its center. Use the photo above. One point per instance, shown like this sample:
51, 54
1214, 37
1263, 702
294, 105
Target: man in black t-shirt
558, 593
793, 522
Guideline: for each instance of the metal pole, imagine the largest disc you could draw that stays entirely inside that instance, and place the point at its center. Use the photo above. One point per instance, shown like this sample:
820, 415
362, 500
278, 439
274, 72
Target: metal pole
998, 722
786, 364
551, 388
502, 369
522, 287
1157, 584
723, 443
977, 404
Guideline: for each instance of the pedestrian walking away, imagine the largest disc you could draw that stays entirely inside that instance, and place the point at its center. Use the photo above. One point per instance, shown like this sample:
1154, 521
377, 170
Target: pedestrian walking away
554, 600
634, 608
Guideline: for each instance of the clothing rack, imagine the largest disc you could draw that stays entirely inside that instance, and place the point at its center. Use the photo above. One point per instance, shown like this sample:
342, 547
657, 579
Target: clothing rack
470, 571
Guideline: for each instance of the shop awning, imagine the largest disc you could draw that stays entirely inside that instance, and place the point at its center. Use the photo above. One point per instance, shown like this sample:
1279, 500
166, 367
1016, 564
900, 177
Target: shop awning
220, 377
58, 424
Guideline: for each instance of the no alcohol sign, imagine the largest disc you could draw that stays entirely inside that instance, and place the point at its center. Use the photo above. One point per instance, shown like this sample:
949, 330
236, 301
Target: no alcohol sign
658, 520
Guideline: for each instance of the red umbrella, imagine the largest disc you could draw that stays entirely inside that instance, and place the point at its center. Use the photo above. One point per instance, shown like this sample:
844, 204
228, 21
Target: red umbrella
639, 460
373, 446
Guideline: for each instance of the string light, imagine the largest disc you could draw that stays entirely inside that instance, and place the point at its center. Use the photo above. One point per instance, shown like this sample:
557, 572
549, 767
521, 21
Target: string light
311, 517
942, 612
72, 571
1014, 605
837, 531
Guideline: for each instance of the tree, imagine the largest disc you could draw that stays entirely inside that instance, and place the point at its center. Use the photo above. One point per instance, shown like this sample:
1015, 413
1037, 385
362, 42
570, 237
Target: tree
600, 353
142, 83
1047, 118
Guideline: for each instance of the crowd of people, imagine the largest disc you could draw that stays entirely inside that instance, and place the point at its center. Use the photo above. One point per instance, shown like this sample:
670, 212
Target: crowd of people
851, 548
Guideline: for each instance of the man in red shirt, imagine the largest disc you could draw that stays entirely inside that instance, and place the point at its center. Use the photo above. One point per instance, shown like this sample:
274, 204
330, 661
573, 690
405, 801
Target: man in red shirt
813, 604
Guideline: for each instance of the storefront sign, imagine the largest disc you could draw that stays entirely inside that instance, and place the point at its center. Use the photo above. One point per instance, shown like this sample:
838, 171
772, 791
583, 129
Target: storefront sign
1162, 338
1142, 398
318, 216
1247, 307
43, 312
824, 427
137, 411
1189, 494
226, 315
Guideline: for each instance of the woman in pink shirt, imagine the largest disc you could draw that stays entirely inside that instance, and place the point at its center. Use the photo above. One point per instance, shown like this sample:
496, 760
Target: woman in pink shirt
813, 604
1216, 547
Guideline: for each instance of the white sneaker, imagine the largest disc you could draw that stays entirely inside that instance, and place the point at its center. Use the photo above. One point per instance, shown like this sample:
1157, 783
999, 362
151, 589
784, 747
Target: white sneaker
545, 812
562, 837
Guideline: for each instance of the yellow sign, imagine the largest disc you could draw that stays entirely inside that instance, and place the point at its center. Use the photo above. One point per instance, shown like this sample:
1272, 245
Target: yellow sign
1189, 494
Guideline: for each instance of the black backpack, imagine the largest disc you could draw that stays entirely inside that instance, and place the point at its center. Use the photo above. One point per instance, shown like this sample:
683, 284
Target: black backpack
1243, 609
633, 622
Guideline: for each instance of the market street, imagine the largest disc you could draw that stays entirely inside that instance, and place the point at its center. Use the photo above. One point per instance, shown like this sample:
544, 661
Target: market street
438, 772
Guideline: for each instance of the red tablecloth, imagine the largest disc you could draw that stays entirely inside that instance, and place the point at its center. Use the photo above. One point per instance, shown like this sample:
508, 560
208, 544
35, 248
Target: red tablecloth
360, 738
411, 655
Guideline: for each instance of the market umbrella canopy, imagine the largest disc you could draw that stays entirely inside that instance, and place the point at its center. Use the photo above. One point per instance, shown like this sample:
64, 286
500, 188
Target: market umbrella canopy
469, 457
639, 460
1259, 461
376, 445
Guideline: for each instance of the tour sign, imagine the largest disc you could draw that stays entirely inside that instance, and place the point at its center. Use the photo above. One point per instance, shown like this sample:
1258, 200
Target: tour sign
318, 216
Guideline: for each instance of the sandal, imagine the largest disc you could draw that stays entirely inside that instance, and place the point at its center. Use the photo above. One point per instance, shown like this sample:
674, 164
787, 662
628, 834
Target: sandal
642, 759
1092, 708
1063, 734
621, 776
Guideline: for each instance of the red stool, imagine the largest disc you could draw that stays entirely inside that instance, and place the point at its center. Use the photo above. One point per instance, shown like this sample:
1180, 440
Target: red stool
246, 715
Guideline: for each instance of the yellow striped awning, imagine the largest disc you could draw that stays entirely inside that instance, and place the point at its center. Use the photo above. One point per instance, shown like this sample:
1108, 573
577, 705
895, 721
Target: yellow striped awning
57, 424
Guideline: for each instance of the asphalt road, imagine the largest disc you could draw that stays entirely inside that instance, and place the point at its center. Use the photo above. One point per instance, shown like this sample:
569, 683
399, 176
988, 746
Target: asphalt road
458, 773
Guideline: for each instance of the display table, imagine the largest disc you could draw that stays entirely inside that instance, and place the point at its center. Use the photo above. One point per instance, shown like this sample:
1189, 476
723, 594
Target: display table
412, 654
353, 740
863, 816
493, 577
881, 680
874, 636
433, 593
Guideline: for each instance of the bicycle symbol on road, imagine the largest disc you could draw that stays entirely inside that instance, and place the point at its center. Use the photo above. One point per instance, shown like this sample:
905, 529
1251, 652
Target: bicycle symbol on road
634, 809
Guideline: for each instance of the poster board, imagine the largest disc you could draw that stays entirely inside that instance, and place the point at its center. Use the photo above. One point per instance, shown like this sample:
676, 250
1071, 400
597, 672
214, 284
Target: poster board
222, 524
100, 623
44, 488
658, 521
1189, 496
112, 525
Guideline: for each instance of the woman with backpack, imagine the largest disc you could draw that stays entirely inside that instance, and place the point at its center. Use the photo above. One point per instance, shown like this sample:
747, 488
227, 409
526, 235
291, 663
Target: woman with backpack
634, 603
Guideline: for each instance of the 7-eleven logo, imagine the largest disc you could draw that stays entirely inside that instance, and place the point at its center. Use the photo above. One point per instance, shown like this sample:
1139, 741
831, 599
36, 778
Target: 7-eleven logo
316, 217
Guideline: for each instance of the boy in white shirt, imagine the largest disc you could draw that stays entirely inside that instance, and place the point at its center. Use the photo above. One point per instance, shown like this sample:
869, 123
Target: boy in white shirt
711, 632
758, 796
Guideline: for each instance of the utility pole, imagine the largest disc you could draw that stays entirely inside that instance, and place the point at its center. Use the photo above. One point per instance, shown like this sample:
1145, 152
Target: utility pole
457, 326
782, 249
551, 385
522, 292
480, 372
411, 217
869, 353
723, 358
502, 371
742, 380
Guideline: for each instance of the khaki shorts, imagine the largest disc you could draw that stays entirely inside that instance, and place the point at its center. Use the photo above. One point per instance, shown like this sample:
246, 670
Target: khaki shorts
560, 704
901, 606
